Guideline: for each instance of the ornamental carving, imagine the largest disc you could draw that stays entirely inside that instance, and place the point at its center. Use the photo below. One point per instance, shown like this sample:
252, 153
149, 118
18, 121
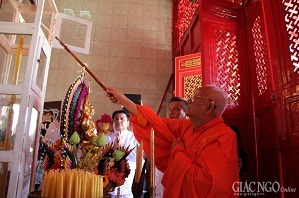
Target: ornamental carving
223, 13
228, 74
190, 85
260, 57
292, 26
186, 10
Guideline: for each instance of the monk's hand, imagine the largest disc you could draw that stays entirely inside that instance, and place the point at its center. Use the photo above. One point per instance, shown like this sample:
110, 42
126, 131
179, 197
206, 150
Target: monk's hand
175, 142
114, 95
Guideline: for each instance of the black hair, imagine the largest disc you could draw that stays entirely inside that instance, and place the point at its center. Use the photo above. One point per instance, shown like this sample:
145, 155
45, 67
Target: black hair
176, 98
121, 111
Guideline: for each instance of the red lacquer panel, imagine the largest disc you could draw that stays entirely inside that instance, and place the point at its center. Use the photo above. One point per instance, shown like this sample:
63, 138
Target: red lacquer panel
187, 74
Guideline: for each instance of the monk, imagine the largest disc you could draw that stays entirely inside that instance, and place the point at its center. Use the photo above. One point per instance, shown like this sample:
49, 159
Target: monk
197, 155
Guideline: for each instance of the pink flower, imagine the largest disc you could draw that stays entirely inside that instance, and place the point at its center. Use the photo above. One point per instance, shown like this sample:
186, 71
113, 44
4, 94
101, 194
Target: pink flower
105, 118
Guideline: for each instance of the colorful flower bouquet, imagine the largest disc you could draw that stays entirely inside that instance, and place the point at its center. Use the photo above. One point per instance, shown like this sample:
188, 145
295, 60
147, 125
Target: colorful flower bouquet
82, 152
107, 160
105, 118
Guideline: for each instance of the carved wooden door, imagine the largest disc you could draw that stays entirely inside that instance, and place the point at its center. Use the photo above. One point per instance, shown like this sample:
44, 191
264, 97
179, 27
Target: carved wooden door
285, 31
273, 39
264, 118
251, 50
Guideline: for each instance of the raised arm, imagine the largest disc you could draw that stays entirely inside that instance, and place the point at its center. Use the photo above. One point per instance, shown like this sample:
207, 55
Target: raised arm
118, 98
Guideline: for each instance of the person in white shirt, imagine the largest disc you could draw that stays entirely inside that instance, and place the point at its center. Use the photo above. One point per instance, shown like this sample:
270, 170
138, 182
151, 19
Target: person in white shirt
126, 138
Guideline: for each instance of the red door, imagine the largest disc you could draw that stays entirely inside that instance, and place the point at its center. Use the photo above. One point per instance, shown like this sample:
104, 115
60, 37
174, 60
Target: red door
283, 36
263, 92
251, 50
273, 37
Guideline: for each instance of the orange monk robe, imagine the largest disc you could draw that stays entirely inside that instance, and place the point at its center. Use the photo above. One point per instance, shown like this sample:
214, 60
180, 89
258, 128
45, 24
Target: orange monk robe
207, 164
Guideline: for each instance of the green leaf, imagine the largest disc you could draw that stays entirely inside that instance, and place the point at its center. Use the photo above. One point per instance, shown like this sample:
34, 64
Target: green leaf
75, 139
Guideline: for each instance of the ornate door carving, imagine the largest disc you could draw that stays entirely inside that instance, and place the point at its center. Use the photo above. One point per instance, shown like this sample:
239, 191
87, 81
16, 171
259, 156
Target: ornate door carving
187, 74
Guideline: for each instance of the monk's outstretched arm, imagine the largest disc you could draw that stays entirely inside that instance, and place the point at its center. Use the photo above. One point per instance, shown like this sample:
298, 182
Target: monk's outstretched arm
118, 98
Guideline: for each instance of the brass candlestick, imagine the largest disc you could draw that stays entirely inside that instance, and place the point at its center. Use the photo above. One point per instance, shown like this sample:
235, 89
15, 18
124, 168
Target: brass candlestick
152, 187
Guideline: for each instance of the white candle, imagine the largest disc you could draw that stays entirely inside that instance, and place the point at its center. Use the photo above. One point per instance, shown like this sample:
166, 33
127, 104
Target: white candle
101, 186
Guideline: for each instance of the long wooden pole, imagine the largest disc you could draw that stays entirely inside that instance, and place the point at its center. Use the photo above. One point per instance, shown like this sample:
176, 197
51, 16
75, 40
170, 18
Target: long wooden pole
82, 64
164, 95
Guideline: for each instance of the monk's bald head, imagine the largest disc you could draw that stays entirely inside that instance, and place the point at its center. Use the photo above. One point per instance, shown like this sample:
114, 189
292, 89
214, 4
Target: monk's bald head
217, 95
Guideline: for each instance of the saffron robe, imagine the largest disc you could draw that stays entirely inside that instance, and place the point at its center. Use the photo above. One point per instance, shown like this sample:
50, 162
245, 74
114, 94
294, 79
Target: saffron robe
205, 166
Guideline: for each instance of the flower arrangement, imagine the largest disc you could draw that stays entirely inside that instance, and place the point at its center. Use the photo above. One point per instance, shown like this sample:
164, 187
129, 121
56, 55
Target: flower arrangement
79, 148
105, 118
100, 158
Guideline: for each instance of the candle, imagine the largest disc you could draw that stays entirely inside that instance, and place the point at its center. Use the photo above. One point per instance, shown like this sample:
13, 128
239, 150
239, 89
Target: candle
52, 193
44, 184
72, 183
93, 190
101, 186
68, 185
152, 165
96, 184
87, 187
89, 190
84, 185
76, 184
48, 185
59, 184
79, 184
